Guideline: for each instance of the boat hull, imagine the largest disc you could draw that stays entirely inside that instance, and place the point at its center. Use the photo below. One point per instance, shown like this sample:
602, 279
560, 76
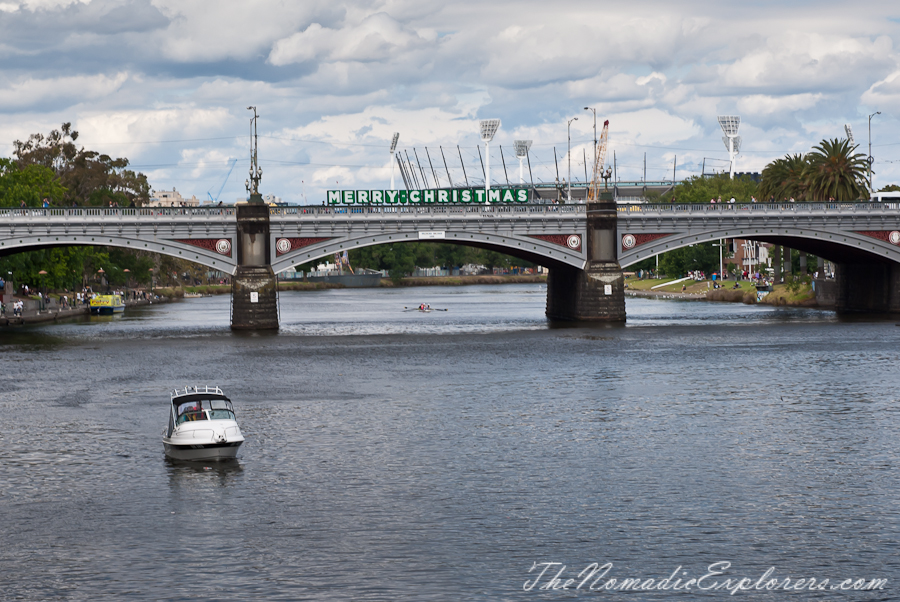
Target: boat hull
207, 452
107, 311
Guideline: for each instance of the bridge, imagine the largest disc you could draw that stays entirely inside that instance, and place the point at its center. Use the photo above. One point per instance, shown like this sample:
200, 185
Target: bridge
584, 245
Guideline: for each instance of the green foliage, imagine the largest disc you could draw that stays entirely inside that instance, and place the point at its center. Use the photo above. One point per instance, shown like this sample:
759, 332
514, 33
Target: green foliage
30, 184
831, 171
52, 167
66, 267
784, 179
89, 177
401, 259
697, 189
890, 188
836, 172
701, 256
117, 261
794, 283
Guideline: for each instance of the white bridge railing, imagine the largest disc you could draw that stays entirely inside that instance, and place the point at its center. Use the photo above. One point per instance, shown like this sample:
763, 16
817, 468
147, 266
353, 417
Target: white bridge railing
412, 210
91, 212
674, 209
403, 211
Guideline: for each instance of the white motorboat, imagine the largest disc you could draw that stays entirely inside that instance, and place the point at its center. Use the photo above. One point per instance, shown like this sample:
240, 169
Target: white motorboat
202, 425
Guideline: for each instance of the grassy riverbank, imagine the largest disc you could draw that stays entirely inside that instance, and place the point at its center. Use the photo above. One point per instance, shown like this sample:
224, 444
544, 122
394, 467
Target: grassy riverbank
800, 295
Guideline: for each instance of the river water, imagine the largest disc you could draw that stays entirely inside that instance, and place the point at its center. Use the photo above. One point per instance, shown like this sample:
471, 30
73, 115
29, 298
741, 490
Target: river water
396, 455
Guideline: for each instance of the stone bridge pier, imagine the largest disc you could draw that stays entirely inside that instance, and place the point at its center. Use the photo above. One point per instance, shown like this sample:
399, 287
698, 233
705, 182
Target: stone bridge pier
597, 292
254, 289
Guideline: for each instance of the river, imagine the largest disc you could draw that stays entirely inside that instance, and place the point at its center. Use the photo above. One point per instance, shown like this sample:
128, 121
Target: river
396, 455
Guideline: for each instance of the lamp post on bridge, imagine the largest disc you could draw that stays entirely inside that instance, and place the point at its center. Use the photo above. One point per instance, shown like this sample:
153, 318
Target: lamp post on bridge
569, 153
870, 159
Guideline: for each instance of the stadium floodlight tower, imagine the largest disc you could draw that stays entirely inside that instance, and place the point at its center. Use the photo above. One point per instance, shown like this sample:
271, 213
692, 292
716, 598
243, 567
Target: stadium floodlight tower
730, 125
393, 148
849, 135
489, 127
522, 147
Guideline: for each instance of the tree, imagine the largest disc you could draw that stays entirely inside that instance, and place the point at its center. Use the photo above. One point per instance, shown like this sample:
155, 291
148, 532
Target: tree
90, 178
836, 172
698, 189
890, 188
701, 256
66, 267
784, 179
30, 184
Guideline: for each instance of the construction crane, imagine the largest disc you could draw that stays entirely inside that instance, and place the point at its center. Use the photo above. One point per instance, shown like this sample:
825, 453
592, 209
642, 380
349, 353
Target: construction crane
597, 175
222, 187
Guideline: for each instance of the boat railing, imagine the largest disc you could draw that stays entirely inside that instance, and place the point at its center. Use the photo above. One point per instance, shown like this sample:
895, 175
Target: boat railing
201, 389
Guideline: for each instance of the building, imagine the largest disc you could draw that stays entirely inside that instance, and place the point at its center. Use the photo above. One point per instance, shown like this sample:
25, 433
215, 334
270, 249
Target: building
750, 255
171, 198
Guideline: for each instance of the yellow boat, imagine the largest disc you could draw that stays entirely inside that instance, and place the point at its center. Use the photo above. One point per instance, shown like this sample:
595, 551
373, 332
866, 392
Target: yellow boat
106, 305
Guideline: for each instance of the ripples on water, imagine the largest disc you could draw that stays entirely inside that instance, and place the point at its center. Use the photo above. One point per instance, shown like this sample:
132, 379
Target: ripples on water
412, 456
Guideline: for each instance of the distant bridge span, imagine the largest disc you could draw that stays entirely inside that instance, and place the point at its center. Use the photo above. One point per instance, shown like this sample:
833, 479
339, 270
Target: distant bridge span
839, 232
585, 246
549, 235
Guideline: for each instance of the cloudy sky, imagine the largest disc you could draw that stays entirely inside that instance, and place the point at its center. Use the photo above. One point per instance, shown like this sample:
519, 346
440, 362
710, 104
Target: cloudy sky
166, 83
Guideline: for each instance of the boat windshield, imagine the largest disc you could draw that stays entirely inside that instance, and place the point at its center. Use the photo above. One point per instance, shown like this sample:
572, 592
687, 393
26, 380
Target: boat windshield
204, 409
218, 409
189, 411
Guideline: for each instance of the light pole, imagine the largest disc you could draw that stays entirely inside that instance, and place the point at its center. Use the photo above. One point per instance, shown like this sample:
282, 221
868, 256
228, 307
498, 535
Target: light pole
595, 134
720, 244
393, 148
522, 147
256, 171
489, 127
730, 126
569, 153
871, 160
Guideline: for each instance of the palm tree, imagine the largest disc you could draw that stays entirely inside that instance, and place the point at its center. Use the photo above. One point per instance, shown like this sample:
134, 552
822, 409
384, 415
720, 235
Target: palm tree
784, 179
834, 171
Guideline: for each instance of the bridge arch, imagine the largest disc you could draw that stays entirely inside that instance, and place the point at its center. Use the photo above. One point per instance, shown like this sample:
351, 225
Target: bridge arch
838, 247
173, 248
548, 251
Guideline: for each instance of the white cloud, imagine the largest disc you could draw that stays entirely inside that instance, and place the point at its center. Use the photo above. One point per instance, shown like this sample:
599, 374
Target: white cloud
377, 38
349, 74
764, 104
25, 93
